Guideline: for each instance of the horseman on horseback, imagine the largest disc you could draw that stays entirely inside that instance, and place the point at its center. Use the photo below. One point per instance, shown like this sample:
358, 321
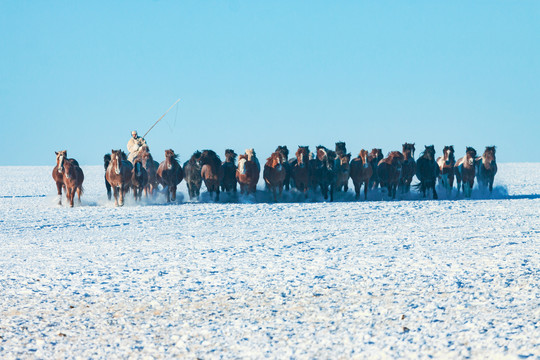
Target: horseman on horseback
134, 145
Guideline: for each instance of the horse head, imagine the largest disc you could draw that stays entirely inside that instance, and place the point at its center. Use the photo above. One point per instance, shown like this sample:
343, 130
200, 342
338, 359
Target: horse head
470, 155
344, 162
230, 156
488, 158
341, 149
275, 160
448, 155
250, 154
302, 155
61, 156
376, 154
170, 158
395, 158
137, 165
242, 159
408, 150
283, 151
429, 152
365, 157
116, 161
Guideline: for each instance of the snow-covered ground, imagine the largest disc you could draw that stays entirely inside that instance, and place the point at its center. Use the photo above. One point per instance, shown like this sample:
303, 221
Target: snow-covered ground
377, 279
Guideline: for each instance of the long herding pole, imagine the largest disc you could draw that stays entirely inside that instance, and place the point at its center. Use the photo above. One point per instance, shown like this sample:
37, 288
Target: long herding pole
162, 116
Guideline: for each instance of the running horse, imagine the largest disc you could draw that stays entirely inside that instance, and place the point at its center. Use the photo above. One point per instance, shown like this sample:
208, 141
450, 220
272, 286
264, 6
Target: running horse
118, 175
274, 173
343, 171
324, 171
288, 169
427, 171
361, 172
389, 172
151, 166
375, 157
211, 172
68, 175
170, 174
192, 175
248, 172
408, 169
228, 182
446, 165
106, 161
486, 168
300, 169
139, 178
465, 172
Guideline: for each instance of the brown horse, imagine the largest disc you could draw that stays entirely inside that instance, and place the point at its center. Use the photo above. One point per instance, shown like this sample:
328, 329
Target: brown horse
228, 182
248, 173
389, 172
192, 175
288, 169
119, 176
465, 171
300, 169
408, 169
343, 171
324, 171
170, 174
151, 166
68, 175
486, 168
446, 165
139, 178
375, 157
274, 173
211, 172
361, 172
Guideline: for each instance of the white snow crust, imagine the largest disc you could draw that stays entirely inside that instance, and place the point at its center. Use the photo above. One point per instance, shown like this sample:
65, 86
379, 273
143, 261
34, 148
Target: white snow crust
378, 279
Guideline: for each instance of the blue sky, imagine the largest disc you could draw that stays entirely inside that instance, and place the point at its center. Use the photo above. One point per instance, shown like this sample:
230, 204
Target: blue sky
81, 75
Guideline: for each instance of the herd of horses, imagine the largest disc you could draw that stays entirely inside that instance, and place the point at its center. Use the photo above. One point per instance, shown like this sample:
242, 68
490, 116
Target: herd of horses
324, 169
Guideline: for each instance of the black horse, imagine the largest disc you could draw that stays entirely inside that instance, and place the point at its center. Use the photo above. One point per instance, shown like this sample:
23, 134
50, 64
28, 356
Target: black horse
427, 171
192, 175
486, 168
324, 171
286, 165
228, 182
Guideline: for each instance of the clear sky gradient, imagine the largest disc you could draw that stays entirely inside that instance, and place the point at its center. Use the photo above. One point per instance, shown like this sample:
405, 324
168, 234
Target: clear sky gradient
80, 75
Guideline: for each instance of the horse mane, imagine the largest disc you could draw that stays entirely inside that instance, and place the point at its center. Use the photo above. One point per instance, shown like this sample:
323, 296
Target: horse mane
283, 150
322, 152
250, 153
341, 148
196, 155
490, 149
106, 160
209, 157
273, 158
470, 150
427, 150
230, 155
391, 155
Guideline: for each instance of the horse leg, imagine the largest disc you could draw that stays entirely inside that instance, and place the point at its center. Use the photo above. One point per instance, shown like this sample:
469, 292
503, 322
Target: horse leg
435, 196
274, 193
365, 189
173, 192
59, 189
357, 187
217, 194
79, 193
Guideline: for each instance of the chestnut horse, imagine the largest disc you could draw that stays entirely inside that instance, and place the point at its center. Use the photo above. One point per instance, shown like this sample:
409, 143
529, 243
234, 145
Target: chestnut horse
106, 161
248, 173
170, 174
375, 157
465, 171
151, 166
139, 178
389, 172
427, 171
486, 168
408, 168
228, 182
192, 175
361, 172
68, 175
119, 176
343, 171
300, 169
446, 165
274, 173
325, 175
288, 169
211, 172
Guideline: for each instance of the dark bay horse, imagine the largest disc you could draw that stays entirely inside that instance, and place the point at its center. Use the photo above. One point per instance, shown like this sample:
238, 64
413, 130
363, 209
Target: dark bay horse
170, 174
389, 172
139, 178
375, 157
361, 172
228, 182
427, 171
67, 174
288, 169
248, 173
151, 166
342, 169
274, 173
300, 169
106, 161
465, 171
118, 175
211, 172
446, 164
341, 149
192, 175
324, 171
486, 168
408, 169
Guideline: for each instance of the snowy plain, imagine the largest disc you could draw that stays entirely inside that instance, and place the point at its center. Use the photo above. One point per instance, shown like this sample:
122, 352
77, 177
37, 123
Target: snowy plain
238, 279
